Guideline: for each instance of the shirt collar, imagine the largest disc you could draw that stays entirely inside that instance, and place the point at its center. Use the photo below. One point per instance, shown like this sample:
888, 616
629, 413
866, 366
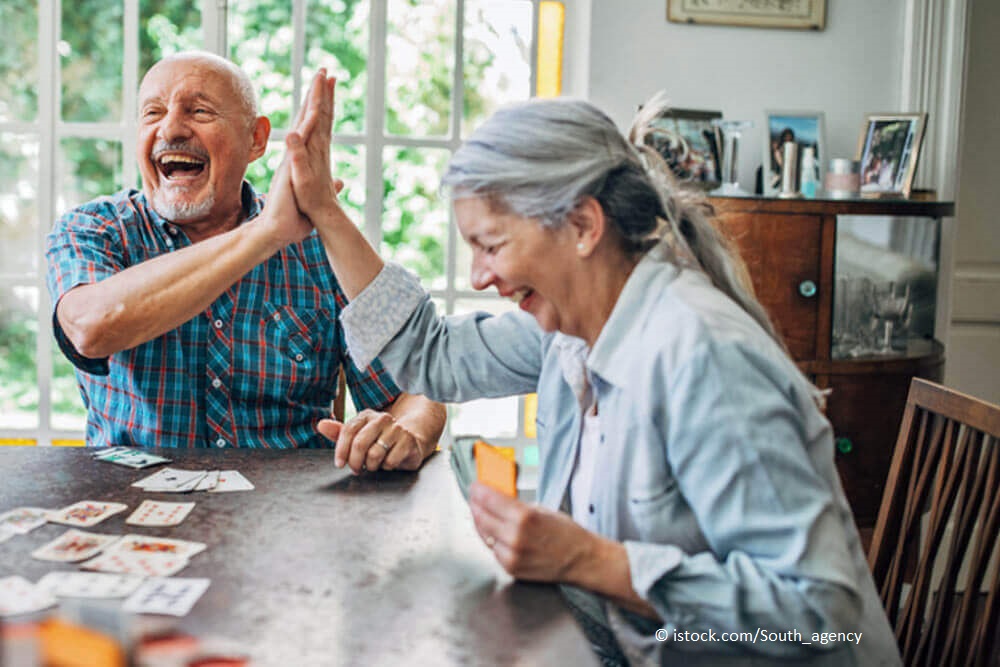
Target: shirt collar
609, 359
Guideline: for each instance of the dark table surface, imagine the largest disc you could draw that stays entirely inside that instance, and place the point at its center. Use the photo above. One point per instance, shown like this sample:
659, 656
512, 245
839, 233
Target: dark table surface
316, 566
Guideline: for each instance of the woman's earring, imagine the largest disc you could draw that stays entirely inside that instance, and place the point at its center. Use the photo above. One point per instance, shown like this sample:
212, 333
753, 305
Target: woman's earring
579, 246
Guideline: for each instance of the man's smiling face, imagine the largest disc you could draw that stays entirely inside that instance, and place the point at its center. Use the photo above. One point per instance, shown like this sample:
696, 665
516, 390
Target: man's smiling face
196, 138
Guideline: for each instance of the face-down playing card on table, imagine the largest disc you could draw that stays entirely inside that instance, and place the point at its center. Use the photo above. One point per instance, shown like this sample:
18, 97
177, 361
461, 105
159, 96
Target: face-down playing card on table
86, 513
159, 513
130, 457
73, 584
74, 545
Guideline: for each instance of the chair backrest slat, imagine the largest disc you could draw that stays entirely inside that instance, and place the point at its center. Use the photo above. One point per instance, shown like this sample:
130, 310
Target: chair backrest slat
936, 541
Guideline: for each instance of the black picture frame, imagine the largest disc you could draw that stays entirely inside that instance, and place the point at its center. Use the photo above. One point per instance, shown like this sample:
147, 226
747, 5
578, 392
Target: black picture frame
689, 142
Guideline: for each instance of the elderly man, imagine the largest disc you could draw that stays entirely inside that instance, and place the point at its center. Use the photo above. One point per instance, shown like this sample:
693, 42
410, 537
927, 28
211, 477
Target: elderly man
195, 315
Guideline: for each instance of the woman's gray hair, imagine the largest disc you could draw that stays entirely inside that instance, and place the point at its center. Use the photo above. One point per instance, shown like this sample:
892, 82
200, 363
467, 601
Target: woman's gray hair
539, 159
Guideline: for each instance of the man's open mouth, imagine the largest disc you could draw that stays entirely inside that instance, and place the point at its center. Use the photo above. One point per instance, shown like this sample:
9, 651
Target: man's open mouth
179, 165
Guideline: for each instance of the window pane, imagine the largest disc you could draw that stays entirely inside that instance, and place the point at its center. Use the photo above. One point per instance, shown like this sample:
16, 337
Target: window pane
490, 418
260, 35
88, 168
68, 413
420, 61
19, 61
18, 204
18, 371
497, 54
414, 217
167, 27
90, 53
337, 38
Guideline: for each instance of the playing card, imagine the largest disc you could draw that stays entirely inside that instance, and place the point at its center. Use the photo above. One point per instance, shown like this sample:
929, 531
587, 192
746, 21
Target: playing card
20, 596
86, 513
172, 480
142, 544
23, 519
147, 565
495, 469
209, 481
159, 513
232, 480
72, 584
166, 596
73, 545
101, 453
133, 458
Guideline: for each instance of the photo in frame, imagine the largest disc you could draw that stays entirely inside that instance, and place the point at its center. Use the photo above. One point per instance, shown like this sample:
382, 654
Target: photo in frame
689, 142
888, 149
805, 128
795, 14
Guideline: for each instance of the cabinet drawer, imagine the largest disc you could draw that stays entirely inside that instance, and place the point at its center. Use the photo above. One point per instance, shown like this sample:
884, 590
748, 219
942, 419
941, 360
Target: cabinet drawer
783, 257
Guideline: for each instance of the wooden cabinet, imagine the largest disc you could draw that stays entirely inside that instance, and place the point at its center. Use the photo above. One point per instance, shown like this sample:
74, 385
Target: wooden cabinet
789, 247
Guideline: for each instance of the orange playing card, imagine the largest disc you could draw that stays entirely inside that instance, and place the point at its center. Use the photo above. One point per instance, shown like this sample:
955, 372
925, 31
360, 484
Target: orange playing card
495, 468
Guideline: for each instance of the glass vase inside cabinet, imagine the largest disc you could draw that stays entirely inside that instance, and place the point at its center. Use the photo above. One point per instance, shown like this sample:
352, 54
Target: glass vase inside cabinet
886, 278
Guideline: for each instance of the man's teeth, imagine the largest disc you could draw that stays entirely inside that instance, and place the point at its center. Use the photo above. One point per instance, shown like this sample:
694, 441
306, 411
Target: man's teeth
179, 158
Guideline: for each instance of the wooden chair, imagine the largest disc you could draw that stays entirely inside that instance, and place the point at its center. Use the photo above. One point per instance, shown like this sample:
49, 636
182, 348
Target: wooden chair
940, 516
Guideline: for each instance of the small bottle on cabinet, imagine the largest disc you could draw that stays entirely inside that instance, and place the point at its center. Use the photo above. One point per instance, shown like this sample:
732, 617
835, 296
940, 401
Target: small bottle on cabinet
809, 173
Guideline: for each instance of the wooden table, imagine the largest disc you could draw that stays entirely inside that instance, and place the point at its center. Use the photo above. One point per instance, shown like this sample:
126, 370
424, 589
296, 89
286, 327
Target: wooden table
316, 566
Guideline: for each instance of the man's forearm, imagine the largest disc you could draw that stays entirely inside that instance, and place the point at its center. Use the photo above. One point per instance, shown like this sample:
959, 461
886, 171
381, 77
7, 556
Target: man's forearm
145, 301
422, 417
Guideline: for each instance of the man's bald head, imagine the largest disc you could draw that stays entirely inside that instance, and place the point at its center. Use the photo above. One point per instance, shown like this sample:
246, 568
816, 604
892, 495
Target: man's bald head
237, 77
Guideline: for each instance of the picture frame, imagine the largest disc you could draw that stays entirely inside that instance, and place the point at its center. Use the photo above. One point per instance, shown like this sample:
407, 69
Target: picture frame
805, 128
794, 14
689, 143
888, 150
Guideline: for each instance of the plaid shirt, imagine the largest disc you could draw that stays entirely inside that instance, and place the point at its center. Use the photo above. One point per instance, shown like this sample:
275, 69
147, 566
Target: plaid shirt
258, 368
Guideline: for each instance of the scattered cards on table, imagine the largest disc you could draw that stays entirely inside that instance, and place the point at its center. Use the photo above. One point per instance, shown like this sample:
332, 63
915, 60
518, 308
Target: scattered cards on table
143, 544
20, 596
74, 545
86, 513
174, 596
23, 519
70, 584
146, 556
130, 457
159, 513
174, 480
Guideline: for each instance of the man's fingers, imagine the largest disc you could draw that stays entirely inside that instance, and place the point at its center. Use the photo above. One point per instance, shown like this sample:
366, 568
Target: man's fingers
305, 121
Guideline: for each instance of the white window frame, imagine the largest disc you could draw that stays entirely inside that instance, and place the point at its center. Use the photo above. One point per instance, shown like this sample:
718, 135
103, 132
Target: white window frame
50, 130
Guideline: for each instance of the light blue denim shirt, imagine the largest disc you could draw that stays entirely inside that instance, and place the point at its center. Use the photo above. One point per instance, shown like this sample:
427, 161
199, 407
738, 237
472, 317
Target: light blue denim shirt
716, 467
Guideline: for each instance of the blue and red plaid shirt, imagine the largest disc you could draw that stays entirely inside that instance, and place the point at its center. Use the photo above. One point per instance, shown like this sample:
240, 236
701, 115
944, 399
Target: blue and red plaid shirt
258, 368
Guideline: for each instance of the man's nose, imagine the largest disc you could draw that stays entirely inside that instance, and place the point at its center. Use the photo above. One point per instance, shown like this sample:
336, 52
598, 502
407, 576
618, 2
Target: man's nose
173, 126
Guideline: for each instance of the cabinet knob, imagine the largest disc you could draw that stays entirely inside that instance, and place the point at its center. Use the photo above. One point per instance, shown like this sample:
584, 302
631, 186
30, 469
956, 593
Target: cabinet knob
807, 288
844, 445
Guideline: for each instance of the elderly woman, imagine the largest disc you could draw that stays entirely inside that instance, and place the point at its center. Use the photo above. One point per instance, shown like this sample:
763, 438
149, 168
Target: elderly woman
687, 479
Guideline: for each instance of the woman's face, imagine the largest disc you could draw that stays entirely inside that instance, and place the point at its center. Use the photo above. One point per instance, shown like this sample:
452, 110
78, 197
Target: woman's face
525, 261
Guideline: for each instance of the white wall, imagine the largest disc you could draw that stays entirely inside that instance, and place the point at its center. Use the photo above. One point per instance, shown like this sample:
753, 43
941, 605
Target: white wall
850, 68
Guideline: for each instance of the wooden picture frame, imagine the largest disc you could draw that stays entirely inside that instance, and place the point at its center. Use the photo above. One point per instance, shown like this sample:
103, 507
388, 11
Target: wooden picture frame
888, 150
805, 128
794, 14
689, 142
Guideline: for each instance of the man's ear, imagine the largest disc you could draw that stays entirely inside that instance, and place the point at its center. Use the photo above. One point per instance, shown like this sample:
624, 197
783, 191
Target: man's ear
261, 131
589, 224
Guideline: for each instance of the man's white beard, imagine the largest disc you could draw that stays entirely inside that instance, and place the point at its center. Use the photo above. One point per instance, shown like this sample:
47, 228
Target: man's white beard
176, 211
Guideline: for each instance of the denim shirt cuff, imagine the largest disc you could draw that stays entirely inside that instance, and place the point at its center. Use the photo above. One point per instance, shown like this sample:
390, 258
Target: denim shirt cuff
649, 563
377, 314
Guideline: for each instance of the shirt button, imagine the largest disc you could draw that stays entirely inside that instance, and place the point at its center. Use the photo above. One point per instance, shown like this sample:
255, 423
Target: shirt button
299, 357
218, 324
216, 383
602, 438
172, 230
591, 508
276, 317
221, 442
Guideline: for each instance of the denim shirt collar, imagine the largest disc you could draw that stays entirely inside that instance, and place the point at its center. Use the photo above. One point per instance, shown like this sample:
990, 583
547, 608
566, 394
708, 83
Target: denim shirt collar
612, 353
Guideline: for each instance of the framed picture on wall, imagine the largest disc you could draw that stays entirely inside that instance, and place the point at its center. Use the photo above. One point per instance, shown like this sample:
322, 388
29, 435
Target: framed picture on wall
888, 149
805, 128
689, 142
802, 14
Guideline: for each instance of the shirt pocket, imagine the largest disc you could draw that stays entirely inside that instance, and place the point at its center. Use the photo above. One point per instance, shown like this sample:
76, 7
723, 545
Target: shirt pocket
300, 357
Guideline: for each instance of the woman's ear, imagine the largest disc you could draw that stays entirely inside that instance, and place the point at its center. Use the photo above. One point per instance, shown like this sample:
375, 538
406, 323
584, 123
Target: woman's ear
589, 225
